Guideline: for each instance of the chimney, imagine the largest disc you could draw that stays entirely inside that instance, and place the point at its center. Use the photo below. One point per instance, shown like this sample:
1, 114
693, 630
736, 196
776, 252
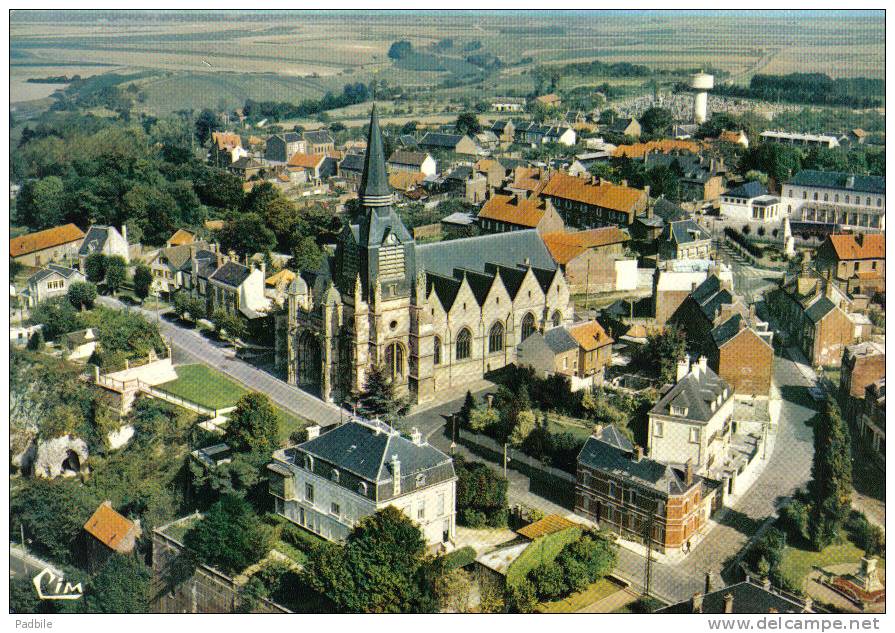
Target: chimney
696, 602
624, 183
766, 583
728, 603
416, 437
683, 367
638, 453
124, 232
646, 189
313, 431
703, 364
742, 324
709, 582
490, 398
850, 182
396, 475
688, 472
752, 312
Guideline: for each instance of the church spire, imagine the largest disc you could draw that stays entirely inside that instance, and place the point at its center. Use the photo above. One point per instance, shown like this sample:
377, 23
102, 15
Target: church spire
374, 190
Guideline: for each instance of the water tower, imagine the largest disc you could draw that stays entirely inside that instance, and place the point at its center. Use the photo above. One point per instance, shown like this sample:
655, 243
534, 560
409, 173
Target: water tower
701, 83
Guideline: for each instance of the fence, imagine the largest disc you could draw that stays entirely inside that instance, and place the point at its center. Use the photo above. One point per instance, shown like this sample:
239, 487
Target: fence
135, 384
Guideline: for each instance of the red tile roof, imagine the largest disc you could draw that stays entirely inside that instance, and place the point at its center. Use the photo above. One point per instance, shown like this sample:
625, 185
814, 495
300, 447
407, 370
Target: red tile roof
566, 246
847, 246
181, 237
665, 146
48, 238
109, 527
509, 209
226, 140
307, 161
606, 194
590, 335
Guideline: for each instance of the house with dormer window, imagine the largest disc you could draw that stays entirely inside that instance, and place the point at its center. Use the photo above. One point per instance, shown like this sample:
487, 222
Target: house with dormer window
334, 479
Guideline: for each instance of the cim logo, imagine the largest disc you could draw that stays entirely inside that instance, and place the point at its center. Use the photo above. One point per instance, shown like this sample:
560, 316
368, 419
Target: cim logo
52, 587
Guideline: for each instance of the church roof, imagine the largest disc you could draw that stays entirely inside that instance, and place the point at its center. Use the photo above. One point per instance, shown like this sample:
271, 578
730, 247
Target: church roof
507, 249
374, 189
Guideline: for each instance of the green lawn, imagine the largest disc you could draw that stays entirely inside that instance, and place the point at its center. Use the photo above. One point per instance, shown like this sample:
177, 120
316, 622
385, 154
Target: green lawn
557, 423
798, 563
543, 550
579, 600
205, 386
292, 552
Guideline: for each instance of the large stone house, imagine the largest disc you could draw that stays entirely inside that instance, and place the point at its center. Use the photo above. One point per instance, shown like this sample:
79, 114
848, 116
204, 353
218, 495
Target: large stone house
58, 244
581, 352
172, 267
280, 147
586, 203
857, 261
330, 482
638, 497
435, 315
237, 289
836, 200
49, 282
684, 239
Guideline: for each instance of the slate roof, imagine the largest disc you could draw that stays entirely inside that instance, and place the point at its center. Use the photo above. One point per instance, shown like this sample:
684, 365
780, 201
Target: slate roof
374, 189
669, 211
408, 140
748, 190
366, 449
94, 240
319, 137
437, 139
839, 180
612, 453
479, 283
508, 249
747, 598
511, 276
206, 262
685, 232
231, 274
819, 309
245, 162
402, 157
446, 288
47, 238
51, 269
694, 392
559, 340
724, 332
352, 162
619, 125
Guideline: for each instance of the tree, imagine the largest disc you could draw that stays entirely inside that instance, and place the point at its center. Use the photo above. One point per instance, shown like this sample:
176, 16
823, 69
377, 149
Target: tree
831, 477
454, 590
206, 123
246, 235
116, 272
378, 398
778, 161
656, 121
754, 174
41, 203
468, 123
603, 170
254, 425
195, 307
381, 569
663, 351
400, 49
82, 294
525, 424
179, 304
481, 489
483, 418
229, 326
142, 281
121, 586
95, 267
522, 597
58, 316
230, 536
549, 581
306, 255
663, 180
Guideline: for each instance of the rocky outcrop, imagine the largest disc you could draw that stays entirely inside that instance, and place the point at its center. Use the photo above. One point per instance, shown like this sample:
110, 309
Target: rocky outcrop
64, 455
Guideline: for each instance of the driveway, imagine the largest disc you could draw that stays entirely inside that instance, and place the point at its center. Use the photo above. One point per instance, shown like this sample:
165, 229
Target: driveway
189, 346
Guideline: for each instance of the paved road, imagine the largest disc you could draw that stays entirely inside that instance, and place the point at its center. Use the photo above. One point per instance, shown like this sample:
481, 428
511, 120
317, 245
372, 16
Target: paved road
189, 344
749, 281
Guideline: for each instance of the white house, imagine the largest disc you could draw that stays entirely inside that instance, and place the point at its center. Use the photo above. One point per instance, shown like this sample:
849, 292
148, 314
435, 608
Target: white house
414, 162
836, 198
330, 482
171, 267
80, 345
798, 139
49, 282
237, 288
740, 203
106, 240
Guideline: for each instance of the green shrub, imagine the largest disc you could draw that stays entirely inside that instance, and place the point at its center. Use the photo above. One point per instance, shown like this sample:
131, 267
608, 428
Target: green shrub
459, 558
472, 518
549, 581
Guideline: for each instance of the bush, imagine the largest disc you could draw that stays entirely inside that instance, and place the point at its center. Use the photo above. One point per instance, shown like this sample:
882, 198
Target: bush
747, 229
549, 581
761, 231
459, 558
472, 518
869, 537
521, 597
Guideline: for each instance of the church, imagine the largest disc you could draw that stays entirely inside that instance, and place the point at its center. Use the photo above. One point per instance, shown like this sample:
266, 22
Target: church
436, 316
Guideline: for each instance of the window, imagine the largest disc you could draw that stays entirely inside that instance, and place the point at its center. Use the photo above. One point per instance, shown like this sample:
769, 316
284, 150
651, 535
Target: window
613, 489
528, 325
309, 462
421, 510
334, 475
565, 362
815, 195
694, 434
436, 357
836, 198
867, 201
826, 197
394, 360
631, 497
362, 488
658, 429
847, 199
879, 202
440, 503
495, 338
464, 344
420, 480
804, 195
334, 509
557, 317
309, 492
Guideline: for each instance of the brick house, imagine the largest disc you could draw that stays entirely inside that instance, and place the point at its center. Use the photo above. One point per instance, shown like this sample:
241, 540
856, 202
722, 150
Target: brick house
502, 213
635, 496
810, 310
873, 417
57, 244
739, 346
581, 352
857, 261
862, 364
588, 258
586, 203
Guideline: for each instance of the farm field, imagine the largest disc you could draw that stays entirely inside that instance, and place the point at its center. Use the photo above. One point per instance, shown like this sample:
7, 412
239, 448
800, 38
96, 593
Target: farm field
222, 59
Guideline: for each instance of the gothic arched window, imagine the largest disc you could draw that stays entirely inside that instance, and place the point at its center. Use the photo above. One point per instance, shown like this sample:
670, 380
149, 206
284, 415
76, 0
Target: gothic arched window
436, 356
528, 326
495, 338
394, 360
557, 318
464, 344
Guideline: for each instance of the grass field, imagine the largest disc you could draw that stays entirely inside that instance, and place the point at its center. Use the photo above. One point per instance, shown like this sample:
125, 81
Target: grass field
603, 588
798, 563
209, 388
543, 550
557, 423
200, 62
